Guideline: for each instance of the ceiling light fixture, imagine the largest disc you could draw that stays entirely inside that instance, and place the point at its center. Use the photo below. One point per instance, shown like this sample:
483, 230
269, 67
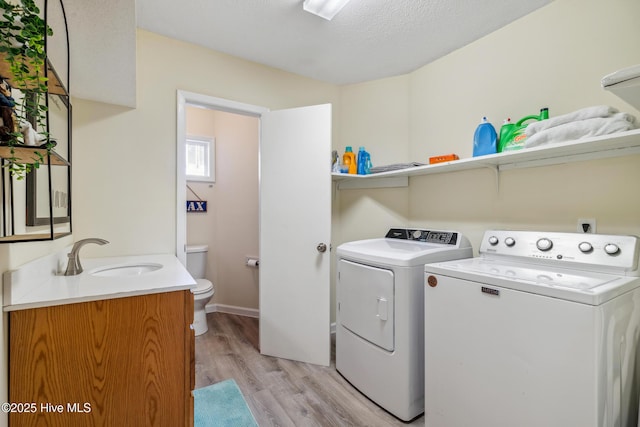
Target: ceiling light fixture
326, 9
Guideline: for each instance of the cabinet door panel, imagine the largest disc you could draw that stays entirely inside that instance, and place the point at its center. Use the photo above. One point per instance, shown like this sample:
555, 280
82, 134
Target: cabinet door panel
103, 361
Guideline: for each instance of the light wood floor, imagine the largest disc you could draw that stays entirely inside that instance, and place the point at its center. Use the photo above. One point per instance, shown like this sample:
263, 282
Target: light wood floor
281, 392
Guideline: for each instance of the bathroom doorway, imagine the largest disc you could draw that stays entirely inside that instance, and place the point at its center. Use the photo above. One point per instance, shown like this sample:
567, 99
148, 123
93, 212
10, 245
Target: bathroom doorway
223, 147
292, 242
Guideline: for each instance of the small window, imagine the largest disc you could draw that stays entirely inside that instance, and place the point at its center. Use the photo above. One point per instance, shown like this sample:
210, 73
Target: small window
201, 158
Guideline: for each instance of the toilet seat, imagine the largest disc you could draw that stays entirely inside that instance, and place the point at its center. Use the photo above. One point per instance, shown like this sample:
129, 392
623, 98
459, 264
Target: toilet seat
202, 286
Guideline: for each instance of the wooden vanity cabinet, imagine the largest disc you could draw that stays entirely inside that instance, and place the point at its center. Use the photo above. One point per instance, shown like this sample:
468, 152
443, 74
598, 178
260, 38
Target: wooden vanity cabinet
115, 362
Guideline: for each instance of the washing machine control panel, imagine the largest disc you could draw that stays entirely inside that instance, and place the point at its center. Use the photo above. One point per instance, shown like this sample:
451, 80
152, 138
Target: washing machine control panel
596, 252
422, 235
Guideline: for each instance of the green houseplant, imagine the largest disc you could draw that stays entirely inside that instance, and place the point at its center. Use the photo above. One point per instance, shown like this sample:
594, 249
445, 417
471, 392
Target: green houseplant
23, 48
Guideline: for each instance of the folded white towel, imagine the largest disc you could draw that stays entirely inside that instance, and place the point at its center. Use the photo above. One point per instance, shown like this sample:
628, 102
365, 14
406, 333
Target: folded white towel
582, 129
582, 114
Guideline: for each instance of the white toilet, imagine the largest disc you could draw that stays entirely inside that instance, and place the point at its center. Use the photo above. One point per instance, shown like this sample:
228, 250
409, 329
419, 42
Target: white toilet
197, 267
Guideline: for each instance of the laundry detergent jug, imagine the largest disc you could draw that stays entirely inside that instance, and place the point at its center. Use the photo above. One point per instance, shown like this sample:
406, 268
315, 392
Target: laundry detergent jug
512, 135
364, 162
349, 161
484, 139
505, 133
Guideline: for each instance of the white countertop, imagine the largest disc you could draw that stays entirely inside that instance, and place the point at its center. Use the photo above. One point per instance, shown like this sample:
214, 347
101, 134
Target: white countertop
41, 283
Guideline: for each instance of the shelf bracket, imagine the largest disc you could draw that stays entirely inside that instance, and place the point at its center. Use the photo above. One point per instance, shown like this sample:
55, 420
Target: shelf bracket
496, 170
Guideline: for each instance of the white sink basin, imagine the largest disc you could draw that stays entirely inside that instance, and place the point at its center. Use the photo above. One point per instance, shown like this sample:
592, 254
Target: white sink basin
137, 269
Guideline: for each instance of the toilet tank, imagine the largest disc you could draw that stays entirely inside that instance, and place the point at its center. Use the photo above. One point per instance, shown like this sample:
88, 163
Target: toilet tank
197, 260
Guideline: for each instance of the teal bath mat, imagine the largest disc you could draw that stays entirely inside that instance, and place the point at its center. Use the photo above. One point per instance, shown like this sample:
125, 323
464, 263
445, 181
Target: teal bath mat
221, 405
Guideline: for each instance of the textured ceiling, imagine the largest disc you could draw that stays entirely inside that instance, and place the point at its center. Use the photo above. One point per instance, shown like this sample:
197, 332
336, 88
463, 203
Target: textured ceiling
367, 40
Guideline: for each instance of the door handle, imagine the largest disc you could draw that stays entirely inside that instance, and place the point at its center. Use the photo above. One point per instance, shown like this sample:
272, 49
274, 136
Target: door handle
321, 247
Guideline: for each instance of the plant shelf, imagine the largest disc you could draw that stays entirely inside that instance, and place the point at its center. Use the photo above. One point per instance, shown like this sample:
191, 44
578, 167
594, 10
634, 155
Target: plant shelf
29, 154
614, 145
32, 237
54, 85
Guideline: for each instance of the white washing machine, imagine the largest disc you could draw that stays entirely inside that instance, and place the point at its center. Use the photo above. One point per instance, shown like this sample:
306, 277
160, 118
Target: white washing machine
540, 330
379, 319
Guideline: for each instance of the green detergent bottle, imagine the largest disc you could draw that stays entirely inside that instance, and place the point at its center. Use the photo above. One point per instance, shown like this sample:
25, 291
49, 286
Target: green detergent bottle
512, 135
505, 133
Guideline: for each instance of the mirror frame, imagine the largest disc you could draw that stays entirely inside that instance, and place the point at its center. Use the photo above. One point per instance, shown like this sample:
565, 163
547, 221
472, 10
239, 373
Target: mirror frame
32, 205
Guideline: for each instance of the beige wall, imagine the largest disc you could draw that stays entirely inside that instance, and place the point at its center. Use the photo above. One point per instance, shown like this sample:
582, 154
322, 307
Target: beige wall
128, 195
230, 225
554, 57
374, 115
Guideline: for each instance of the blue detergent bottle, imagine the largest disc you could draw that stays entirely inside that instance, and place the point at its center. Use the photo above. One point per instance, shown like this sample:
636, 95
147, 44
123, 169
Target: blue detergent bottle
485, 139
361, 161
366, 163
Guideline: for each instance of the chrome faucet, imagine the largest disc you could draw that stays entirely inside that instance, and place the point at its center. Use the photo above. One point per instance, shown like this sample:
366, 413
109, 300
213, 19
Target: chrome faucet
73, 266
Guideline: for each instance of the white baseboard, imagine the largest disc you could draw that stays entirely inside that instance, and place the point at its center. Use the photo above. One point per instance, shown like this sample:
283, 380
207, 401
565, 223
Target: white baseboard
243, 311
232, 309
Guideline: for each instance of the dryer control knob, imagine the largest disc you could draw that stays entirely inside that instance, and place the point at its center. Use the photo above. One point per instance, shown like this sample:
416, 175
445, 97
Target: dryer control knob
611, 249
509, 241
544, 244
585, 247
493, 240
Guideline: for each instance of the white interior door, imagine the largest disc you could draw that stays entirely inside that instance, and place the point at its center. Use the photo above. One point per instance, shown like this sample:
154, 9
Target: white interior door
295, 220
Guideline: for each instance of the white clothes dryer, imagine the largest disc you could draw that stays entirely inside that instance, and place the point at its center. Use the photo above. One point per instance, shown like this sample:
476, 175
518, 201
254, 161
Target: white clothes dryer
380, 312
541, 329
